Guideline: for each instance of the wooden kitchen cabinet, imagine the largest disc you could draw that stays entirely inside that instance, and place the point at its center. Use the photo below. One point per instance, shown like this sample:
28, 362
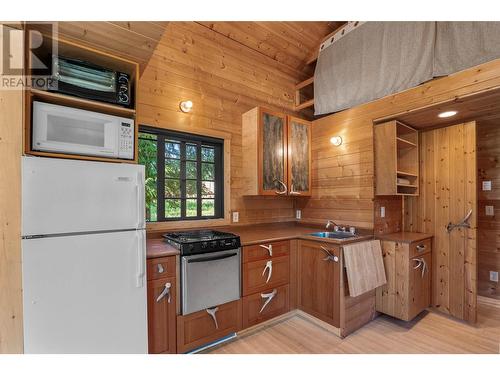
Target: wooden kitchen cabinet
266, 251
396, 159
202, 327
276, 154
162, 315
408, 270
319, 280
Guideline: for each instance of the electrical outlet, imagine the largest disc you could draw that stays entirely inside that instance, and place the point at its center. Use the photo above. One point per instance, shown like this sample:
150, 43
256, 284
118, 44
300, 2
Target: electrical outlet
494, 276
486, 185
298, 214
236, 216
489, 210
382, 211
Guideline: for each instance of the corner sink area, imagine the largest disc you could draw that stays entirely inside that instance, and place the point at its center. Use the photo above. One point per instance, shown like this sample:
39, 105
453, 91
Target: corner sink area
333, 235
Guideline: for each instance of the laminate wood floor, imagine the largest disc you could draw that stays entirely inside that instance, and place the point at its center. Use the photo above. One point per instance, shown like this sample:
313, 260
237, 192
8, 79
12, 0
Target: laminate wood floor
432, 332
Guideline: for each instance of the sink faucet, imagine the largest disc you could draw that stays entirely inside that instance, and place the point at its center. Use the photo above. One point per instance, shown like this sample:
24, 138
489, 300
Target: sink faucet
329, 223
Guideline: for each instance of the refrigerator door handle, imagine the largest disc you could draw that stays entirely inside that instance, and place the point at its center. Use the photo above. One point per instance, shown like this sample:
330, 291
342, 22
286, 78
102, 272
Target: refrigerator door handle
141, 255
140, 201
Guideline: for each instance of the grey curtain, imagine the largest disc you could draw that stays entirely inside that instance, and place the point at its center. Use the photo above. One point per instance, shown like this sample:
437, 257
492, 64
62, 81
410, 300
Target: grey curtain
372, 61
461, 45
382, 58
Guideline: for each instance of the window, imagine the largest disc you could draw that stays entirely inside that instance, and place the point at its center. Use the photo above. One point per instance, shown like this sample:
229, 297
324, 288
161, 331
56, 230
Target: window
184, 175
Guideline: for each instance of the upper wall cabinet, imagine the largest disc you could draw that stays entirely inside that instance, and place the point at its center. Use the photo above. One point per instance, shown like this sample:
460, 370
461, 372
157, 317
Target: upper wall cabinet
276, 154
396, 159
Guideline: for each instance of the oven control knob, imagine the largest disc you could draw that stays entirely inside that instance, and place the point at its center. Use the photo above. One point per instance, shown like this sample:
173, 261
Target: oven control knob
233, 243
191, 246
222, 243
213, 244
204, 245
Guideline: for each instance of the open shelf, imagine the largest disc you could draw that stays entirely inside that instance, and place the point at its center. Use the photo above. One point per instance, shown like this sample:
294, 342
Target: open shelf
406, 174
73, 101
403, 143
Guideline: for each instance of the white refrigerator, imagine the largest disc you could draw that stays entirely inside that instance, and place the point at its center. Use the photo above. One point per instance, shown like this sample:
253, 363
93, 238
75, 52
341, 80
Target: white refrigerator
84, 257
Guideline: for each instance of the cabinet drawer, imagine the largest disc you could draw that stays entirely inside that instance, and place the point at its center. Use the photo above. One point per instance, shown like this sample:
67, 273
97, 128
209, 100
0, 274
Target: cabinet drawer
161, 267
200, 328
254, 310
265, 274
161, 315
261, 252
421, 247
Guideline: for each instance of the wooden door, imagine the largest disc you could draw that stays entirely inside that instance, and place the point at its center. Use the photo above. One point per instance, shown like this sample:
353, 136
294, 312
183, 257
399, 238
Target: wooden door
272, 153
260, 307
319, 281
161, 316
299, 156
448, 191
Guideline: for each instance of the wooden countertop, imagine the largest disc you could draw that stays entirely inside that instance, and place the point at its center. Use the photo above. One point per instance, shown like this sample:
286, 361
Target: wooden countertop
256, 234
157, 248
406, 237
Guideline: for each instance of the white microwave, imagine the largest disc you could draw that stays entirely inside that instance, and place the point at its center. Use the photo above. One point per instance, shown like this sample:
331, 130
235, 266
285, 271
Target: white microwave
61, 129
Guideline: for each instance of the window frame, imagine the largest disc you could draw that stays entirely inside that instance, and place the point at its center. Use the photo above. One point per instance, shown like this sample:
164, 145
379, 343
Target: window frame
187, 138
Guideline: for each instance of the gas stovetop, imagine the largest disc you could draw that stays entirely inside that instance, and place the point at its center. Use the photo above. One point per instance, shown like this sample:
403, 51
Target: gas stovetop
202, 241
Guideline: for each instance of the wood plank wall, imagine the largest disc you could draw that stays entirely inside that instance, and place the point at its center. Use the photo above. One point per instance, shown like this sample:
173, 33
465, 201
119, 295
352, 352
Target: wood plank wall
343, 176
488, 164
11, 136
224, 79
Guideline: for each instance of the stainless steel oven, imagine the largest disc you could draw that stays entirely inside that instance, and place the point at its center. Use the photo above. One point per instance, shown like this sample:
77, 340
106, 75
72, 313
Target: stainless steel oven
210, 279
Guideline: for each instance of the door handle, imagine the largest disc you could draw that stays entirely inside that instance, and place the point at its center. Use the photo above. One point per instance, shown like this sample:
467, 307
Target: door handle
269, 297
329, 255
462, 224
269, 249
141, 201
285, 189
165, 292
160, 268
421, 263
141, 259
293, 192
269, 267
212, 311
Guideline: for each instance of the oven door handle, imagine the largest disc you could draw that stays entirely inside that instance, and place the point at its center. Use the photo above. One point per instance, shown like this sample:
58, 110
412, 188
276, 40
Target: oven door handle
209, 259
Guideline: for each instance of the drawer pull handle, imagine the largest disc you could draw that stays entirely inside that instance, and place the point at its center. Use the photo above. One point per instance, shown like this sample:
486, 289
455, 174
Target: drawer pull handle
284, 187
165, 292
269, 297
421, 263
211, 312
269, 249
269, 268
329, 255
160, 268
421, 248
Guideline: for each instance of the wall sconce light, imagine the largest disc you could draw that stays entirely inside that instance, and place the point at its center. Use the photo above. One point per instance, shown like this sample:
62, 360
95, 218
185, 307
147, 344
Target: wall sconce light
186, 106
336, 140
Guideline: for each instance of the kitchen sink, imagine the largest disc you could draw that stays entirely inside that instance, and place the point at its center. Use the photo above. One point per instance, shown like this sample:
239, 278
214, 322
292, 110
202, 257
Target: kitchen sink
334, 235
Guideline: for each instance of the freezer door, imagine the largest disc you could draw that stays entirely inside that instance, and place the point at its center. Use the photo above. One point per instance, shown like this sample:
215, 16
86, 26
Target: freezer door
72, 196
85, 293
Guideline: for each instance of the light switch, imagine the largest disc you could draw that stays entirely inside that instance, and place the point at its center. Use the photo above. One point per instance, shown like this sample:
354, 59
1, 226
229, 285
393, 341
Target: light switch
486, 185
236, 216
382, 211
494, 276
298, 214
489, 210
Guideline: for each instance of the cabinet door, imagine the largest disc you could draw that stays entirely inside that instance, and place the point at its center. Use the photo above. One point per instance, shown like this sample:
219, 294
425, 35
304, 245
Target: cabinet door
161, 316
419, 297
268, 304
299, 156
319, 281
265, 274
272, 154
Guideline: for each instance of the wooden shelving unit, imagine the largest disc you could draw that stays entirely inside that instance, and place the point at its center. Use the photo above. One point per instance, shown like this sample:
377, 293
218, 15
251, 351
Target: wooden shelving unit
304, 94
74, 50
396, 159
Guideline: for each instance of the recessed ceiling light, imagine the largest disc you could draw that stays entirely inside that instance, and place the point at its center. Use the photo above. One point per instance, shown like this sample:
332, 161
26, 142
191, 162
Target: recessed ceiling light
447, 114
336, 140
186, 106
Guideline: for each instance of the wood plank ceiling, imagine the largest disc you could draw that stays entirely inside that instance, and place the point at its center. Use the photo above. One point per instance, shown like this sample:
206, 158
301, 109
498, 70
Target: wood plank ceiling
288, 43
